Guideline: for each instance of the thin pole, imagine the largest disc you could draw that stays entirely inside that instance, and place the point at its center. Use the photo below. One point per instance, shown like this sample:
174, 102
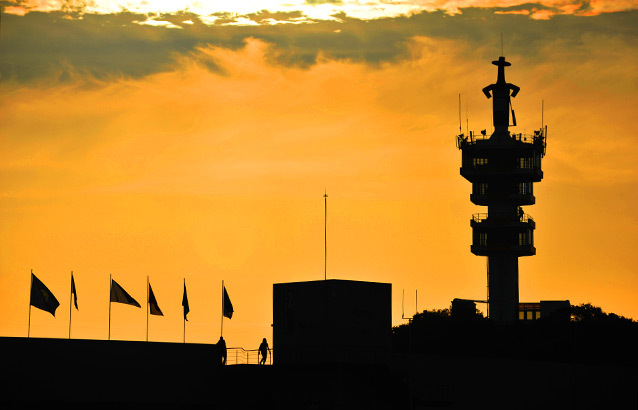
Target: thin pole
147, 308
221, 333
70, 303
325, 235
467, 119
184, 315
460, 130
416, 301
30, 289
110, 286
403, 304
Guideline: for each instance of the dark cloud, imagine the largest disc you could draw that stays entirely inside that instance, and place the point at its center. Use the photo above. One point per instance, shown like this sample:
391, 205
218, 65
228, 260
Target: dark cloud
57, 44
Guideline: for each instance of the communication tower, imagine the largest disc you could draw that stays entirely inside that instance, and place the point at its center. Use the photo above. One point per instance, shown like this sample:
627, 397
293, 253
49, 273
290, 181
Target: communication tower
502, 168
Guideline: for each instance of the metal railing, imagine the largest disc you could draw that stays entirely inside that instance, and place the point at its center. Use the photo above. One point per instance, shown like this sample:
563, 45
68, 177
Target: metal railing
239, 355
483, 216
539, 137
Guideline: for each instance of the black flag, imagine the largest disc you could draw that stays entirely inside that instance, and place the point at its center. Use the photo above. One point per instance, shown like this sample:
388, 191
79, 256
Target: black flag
185, 303
119, 295
41, 296
155, 310
228, 307
74, 293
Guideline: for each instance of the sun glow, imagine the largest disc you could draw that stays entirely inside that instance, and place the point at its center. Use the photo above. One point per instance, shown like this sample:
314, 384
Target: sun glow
238, 12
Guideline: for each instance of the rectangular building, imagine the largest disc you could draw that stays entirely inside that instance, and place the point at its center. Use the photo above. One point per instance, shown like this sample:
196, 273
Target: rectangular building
332, 321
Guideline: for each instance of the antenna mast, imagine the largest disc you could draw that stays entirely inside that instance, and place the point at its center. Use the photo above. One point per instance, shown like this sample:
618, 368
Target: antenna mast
325, 235
467, 119
460, 130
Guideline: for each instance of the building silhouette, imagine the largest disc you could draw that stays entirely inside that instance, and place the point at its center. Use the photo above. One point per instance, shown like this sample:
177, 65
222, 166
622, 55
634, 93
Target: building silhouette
502, 168
332, 321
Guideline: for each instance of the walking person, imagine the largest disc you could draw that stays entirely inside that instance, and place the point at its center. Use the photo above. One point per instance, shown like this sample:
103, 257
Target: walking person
263, 351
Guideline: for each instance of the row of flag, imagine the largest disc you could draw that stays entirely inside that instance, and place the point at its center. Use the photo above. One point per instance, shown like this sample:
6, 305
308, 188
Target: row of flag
42, 298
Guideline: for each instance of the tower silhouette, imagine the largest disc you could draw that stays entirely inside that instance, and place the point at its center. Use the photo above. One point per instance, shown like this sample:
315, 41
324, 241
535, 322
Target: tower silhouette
502, 169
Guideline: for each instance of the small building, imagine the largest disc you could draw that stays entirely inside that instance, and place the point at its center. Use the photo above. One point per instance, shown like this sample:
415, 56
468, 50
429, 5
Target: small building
463, 309
545, 309
332, 321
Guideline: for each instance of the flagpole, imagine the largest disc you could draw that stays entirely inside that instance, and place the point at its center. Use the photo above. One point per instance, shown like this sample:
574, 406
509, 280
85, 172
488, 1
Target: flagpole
30, 290
70, 303
147, 308
221, 334
110, 289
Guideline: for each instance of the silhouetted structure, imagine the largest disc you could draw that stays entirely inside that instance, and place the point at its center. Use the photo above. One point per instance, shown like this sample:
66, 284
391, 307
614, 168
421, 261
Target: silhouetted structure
555, 310
502, 169
463, 309
332, 321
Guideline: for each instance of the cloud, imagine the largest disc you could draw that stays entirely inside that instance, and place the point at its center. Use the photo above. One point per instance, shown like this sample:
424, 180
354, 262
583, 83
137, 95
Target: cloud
324, 9
118, 45
158, 23
238, 115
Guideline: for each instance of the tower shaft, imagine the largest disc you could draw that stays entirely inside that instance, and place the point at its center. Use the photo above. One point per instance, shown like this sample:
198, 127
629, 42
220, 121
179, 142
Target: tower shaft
503, 286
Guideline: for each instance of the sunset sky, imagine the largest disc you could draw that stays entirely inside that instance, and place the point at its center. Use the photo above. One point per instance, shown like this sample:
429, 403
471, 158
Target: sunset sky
194, 140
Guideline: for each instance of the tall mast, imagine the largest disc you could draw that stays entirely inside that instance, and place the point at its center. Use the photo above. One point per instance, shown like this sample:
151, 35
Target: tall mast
325, 235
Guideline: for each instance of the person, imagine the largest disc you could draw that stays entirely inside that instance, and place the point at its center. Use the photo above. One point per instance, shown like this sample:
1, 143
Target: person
520, 213
221, 348
263, 351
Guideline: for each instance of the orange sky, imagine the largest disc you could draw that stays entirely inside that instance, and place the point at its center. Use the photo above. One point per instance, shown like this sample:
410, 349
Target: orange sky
218, 174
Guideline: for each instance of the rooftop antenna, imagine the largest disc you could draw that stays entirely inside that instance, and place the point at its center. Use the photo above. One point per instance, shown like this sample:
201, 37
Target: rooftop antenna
325, 234
409, 319
416, 305
467, 119
460, 131
502, 45
542, 114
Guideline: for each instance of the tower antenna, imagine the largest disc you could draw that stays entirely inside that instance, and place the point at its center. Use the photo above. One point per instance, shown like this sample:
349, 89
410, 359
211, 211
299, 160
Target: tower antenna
467, 119
460, 130
502, 45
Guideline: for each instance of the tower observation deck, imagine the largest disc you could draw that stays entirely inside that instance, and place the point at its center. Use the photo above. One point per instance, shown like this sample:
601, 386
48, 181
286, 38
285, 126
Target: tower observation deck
502, 169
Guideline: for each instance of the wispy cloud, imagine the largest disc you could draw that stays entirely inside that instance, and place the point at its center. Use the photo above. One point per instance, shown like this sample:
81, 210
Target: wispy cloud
322, 10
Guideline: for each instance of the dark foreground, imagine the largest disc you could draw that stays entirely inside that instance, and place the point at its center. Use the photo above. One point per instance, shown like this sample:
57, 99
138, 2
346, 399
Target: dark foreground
89, 372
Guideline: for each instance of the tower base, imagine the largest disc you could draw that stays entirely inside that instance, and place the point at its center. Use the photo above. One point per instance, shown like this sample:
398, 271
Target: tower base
503, 288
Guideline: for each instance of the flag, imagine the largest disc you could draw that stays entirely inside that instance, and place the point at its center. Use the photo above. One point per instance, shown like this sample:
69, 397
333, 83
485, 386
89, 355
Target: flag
228, 307
155, 310
74, 293
185, 303
119, 295
41, 296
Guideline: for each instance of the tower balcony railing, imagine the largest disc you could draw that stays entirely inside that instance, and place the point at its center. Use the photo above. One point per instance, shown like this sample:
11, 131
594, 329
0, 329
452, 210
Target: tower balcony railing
538, 138
491, 249
501, 218
516, 198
